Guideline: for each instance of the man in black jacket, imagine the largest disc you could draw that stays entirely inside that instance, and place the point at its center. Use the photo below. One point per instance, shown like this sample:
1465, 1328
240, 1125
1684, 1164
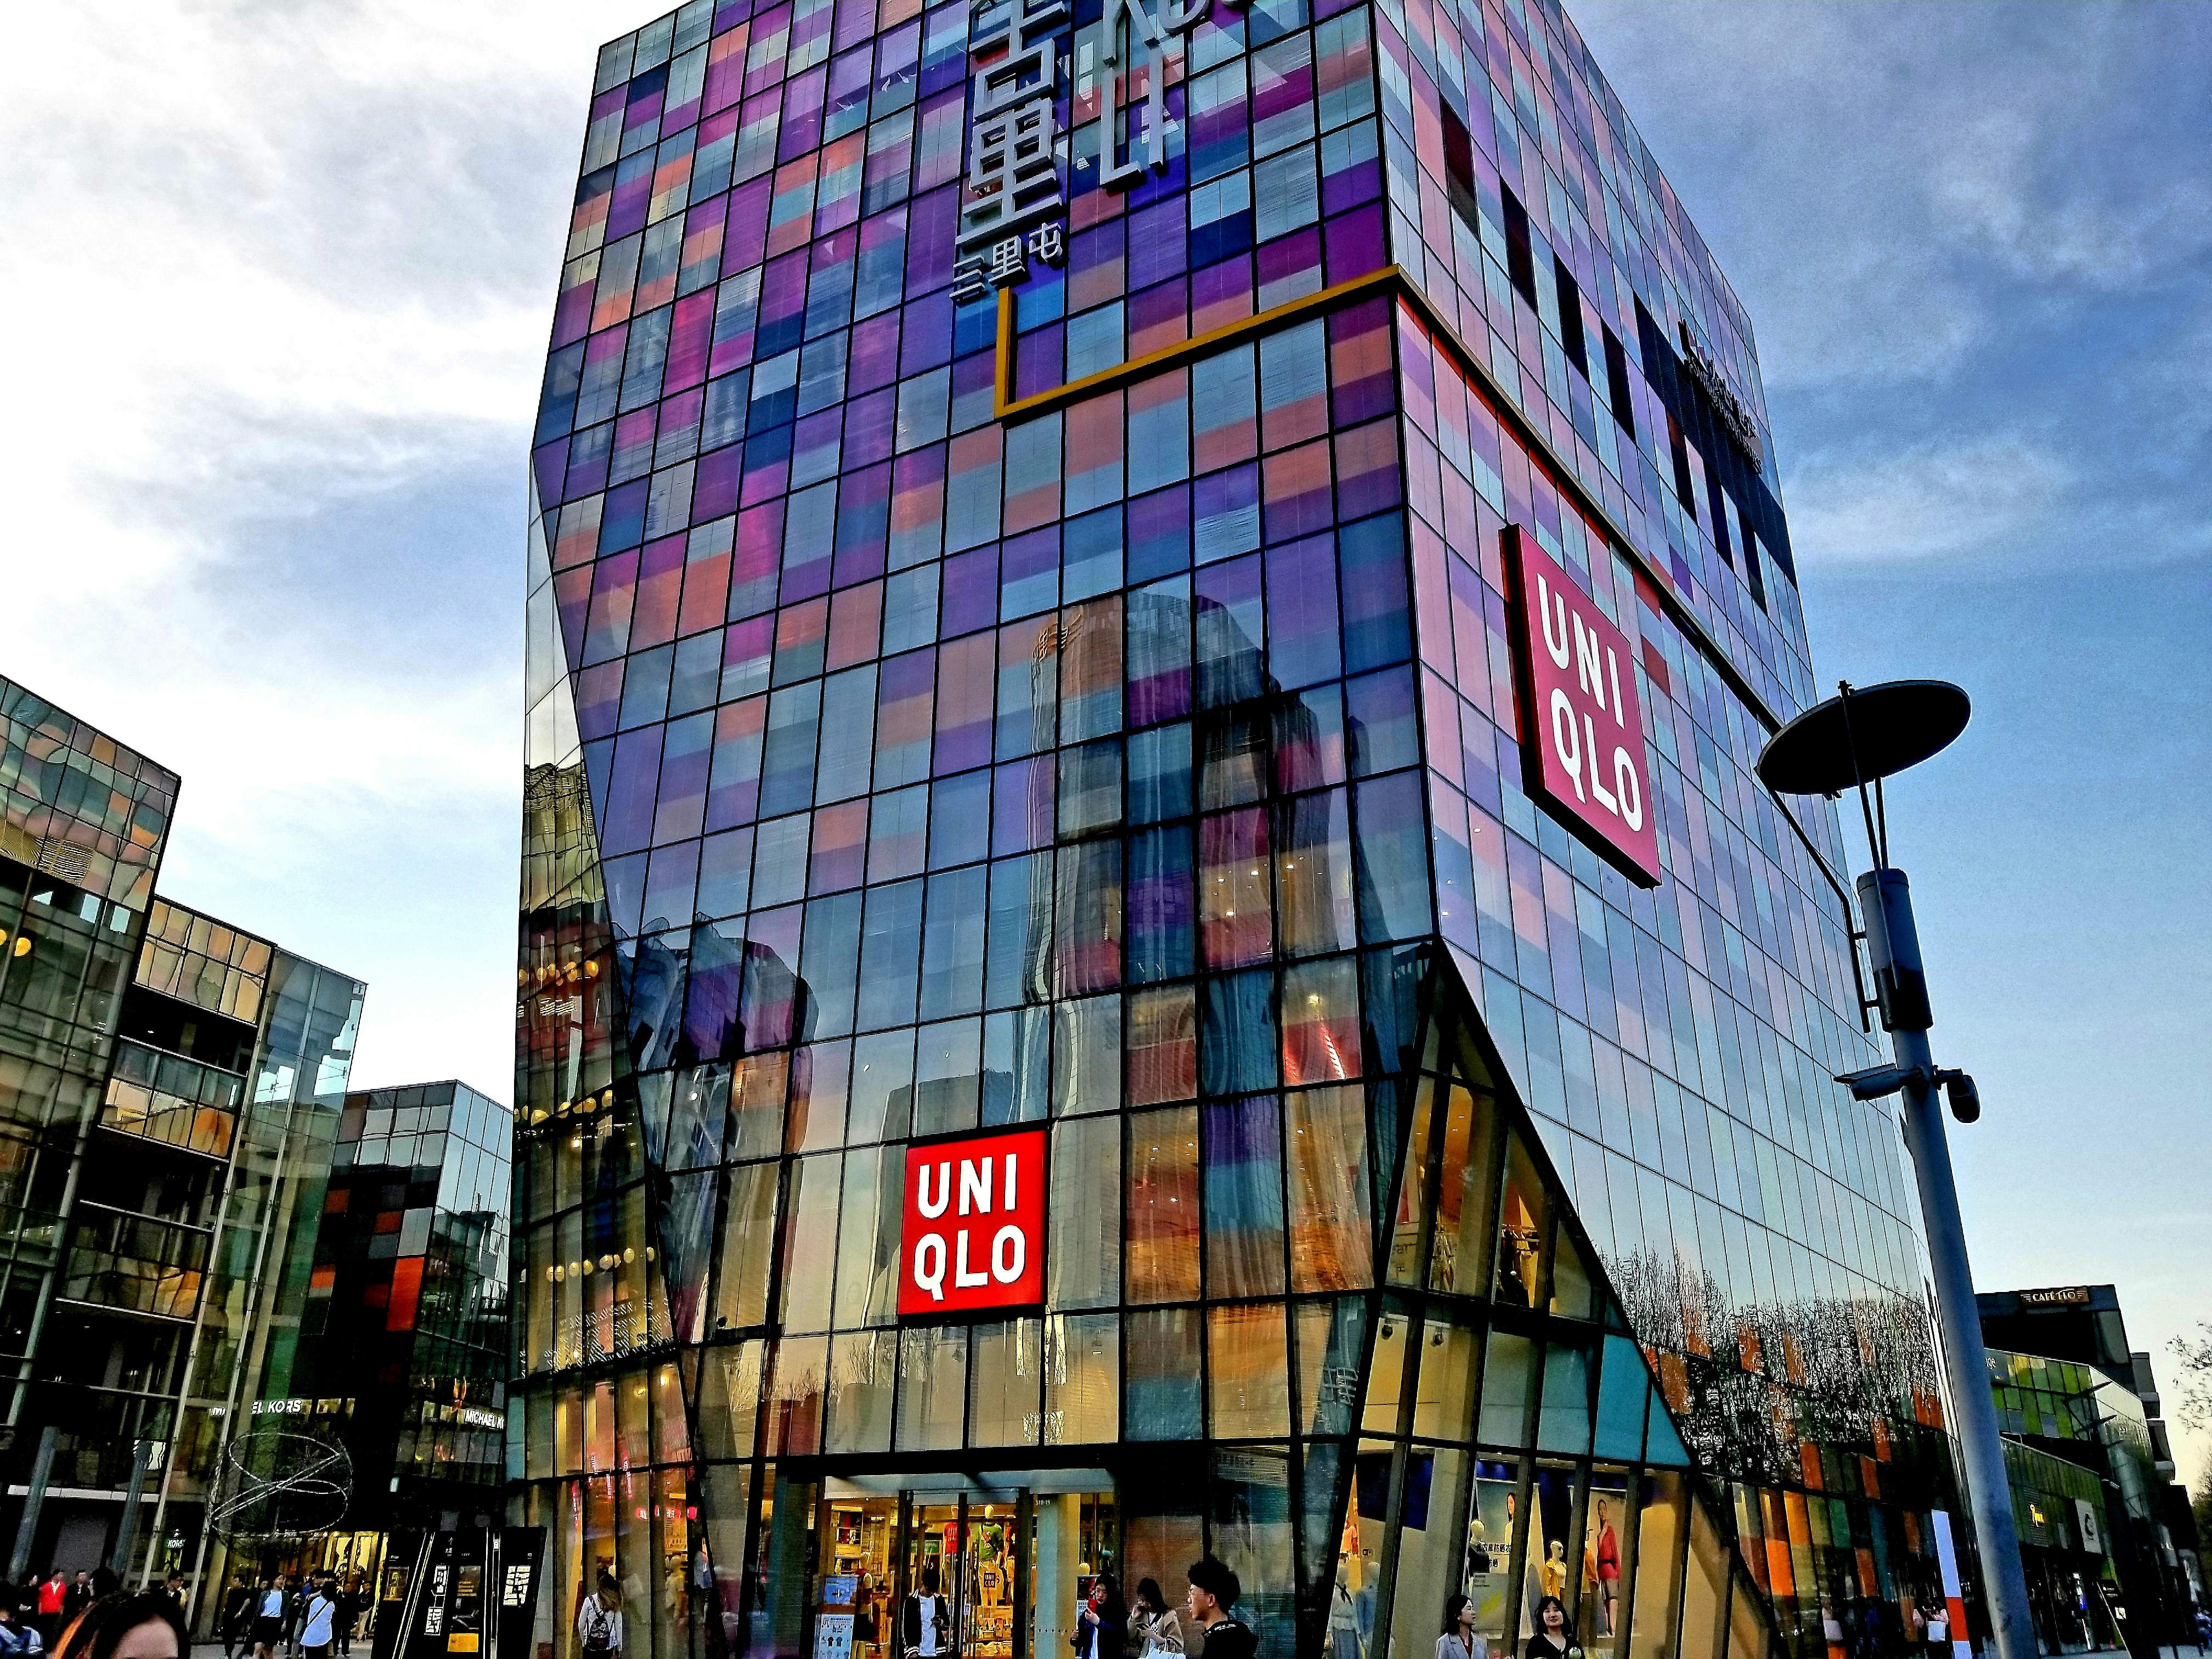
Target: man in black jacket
1214, 1588
925, 1620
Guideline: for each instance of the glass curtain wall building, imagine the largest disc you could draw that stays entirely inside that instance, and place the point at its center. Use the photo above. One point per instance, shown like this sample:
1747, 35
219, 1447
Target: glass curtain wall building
1030, 645
406, 1330
162, 1076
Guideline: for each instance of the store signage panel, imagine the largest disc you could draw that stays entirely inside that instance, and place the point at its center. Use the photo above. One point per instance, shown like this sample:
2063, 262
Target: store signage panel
1582, 738
2071, 1296
972, 1234
2085, 1517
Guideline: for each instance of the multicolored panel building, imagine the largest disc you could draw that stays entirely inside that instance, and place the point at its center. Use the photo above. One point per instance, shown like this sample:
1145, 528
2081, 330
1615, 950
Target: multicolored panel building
1146, 928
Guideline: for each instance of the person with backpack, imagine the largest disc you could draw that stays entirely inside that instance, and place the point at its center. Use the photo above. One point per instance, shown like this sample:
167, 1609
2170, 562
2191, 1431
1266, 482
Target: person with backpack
600, 1622
318, 1619
1214, 1588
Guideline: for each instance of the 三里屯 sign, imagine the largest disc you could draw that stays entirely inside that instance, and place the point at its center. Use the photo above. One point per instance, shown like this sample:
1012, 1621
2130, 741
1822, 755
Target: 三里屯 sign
973, 1229
1013, 204
1581, 741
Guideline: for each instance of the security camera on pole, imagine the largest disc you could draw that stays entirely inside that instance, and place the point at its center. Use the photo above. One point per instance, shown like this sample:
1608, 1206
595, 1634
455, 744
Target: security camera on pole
1853, 741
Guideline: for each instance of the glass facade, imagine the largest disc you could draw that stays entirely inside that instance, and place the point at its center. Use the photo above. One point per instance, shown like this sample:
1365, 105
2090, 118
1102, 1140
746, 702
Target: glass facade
84, 822
1067, 679
406, 1305
162, 1075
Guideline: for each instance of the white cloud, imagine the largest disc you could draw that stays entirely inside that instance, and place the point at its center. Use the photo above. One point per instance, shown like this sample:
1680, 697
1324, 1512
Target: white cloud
1979, 496
279, 279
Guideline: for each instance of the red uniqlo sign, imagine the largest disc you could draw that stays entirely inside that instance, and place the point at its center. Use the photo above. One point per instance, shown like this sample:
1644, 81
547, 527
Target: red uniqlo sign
1582, 726
973, 1234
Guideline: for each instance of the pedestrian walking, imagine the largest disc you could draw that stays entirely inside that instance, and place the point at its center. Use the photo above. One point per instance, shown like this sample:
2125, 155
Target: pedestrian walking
600, 1622
268, 1619
1155, 1633
925, 1620
1460, 1640
237, 1629
349, 1615
318, 1618
1102, 1623
1214, 1589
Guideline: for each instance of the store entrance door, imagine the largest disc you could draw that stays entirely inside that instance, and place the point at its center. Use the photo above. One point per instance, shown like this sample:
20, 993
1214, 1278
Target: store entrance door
974, 1545
1012, 1554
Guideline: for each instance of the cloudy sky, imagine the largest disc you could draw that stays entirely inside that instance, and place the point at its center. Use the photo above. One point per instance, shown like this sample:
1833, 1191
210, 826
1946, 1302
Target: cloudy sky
1975, 243
278, 278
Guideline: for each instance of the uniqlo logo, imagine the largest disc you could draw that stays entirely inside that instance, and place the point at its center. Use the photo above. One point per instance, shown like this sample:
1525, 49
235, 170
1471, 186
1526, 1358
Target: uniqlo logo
1582, 725
973, 1233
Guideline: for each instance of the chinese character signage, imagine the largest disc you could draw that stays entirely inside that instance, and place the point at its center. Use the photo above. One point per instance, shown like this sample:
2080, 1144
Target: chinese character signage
1014, 210
973, 1234
1582, 723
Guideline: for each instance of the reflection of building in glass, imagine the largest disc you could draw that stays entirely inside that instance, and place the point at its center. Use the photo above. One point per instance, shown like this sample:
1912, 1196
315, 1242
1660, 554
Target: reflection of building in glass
1121, 737
170, 1085
406, 1318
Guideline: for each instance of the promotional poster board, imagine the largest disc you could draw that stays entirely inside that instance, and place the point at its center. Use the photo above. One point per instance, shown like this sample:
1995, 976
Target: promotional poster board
461, 1593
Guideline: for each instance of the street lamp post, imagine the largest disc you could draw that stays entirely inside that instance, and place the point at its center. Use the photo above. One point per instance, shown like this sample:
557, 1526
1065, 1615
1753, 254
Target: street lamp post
1853, 741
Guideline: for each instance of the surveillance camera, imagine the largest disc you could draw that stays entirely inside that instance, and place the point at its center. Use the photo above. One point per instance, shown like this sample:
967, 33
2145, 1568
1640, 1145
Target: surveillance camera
1965, 1099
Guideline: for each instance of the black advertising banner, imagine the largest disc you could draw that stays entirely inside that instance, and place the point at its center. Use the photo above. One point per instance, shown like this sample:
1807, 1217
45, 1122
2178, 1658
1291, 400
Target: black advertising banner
431, 1604
405, 1556
464, 1629
464, 1595
521, 1561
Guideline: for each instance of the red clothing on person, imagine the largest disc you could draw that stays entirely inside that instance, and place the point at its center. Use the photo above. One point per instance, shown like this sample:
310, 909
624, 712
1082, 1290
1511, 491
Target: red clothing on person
49, 1596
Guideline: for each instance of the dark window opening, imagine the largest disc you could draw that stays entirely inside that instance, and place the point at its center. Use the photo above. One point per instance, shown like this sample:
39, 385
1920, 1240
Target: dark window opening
1459, 166
1684, 489
1721, 538
1570, 317
1616, 380
1520, 261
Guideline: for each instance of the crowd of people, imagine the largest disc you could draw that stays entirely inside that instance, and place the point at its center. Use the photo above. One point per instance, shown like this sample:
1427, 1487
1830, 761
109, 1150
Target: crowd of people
87, 1616
1108, 1625
291, 1618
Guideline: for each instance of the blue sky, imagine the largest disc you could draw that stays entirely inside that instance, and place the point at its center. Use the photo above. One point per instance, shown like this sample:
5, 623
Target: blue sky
280, 277
1975, 242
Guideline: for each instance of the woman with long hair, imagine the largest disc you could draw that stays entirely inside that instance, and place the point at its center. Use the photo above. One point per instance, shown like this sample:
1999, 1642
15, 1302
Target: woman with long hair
1101, 1624
1155, 1633
146, 1625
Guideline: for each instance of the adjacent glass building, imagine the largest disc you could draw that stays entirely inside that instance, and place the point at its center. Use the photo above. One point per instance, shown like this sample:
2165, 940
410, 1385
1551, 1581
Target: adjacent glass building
405, 1332
1019, 634
169, 1088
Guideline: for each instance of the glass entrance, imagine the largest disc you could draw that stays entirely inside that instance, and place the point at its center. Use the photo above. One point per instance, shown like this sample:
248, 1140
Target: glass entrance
988, 1613
933, 1559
